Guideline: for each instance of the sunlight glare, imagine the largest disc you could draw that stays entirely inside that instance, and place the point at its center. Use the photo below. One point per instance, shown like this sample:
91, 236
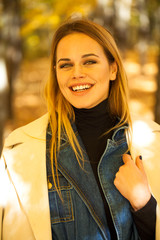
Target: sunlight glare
3, 76
124, 9
142, 134
4, 183
102, 2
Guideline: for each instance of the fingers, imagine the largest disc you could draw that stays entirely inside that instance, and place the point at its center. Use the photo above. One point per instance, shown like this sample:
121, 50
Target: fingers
139, 164
126, 158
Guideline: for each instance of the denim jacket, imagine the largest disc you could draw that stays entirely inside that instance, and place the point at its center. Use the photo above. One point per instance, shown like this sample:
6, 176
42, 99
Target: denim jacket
81, 214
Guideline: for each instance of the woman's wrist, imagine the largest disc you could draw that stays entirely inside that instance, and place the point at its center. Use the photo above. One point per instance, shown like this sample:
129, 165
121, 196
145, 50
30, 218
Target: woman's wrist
140, 203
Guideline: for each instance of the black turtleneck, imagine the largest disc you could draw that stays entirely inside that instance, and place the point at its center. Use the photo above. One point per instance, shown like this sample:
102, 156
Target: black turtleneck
91, 125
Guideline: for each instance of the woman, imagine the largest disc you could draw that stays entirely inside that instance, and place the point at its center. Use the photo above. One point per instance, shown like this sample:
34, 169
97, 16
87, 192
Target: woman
95, 190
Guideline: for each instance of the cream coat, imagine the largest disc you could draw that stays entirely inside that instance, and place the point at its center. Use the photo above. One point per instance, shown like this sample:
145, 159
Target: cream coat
24, 205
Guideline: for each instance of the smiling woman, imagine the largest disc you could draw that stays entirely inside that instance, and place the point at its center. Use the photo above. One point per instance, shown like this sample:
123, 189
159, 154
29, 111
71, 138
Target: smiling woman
82, 183
83, 70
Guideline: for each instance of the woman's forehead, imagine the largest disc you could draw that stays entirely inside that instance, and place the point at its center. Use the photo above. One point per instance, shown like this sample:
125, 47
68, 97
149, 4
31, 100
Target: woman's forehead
78, 44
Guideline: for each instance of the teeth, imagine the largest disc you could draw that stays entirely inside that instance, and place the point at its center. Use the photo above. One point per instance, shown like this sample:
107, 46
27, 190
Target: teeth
81, 87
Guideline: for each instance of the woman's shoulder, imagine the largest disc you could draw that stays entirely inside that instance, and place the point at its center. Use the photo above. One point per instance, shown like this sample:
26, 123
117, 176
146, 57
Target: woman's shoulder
34, 129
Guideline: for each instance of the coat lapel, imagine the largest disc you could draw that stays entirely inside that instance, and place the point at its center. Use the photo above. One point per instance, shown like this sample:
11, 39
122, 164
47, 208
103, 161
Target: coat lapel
27, 168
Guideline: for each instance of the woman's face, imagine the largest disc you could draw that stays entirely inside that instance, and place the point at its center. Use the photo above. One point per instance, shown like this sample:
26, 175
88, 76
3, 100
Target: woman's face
83, 71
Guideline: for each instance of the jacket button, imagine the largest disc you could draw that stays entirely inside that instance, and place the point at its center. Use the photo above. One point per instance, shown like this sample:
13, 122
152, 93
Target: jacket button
49, 184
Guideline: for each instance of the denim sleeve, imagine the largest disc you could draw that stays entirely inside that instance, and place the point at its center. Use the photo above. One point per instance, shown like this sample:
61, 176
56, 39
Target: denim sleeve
145, 220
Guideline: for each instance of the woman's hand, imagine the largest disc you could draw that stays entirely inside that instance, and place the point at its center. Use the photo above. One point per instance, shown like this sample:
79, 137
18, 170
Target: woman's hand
131, 181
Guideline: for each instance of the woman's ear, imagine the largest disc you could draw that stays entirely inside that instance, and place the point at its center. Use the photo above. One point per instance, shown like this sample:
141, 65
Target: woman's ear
113, 71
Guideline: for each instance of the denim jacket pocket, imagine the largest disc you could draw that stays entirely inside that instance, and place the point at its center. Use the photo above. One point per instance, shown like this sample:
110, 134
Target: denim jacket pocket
61, 210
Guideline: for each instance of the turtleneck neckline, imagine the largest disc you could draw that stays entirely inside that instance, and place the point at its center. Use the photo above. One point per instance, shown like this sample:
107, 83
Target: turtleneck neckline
99, 109
96, 117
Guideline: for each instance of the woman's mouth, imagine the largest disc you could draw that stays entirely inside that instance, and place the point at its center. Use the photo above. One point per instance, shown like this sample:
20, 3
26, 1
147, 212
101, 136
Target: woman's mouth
80, 88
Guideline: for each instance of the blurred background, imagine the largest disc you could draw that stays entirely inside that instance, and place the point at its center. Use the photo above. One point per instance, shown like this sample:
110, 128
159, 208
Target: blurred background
26, 30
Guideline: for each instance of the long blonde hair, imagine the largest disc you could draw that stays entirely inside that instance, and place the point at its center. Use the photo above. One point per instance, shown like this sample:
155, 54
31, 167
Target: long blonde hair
60, 110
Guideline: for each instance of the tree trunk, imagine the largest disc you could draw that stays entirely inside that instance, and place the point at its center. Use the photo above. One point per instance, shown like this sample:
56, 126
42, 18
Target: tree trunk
157, 106
11, 54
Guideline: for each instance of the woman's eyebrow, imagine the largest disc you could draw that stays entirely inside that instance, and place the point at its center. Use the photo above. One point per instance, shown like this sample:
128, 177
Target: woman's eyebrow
83, 56
64, 59
89, 54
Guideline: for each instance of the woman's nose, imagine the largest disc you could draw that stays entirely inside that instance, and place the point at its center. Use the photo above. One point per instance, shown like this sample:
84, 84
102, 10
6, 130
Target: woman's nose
78, 72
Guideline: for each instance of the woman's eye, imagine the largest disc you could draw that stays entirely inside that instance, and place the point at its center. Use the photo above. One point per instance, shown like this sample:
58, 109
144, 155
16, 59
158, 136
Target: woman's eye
90, 62
65, 65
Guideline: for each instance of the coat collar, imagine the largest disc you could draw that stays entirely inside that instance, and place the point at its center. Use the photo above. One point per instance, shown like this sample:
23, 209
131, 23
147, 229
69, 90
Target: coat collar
35, 129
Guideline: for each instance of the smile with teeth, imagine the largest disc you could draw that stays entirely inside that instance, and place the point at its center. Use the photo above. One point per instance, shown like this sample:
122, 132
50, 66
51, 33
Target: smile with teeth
80, 88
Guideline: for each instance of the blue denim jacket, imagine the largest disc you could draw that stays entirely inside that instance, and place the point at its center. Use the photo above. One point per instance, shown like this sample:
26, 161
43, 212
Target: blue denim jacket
81, 214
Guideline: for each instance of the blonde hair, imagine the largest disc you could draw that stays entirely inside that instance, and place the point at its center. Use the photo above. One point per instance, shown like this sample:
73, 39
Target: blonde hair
60, 110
